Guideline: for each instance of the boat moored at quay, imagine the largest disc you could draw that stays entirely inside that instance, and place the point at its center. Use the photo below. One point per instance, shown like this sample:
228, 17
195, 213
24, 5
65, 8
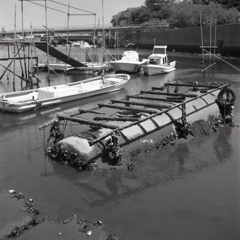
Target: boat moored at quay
129, 63
155, 117
158, 62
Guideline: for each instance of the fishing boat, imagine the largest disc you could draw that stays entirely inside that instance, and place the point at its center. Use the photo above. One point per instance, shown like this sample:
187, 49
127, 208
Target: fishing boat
152, 118
129, 63
89, 67
158, 62
22, 101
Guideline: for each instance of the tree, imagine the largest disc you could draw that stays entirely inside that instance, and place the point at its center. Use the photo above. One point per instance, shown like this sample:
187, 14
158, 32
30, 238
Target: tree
188, 15
154, 25
225, 3
179, 13
131, 16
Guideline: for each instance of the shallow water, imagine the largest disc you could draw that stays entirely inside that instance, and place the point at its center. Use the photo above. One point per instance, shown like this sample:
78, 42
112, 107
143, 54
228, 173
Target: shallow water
186, 191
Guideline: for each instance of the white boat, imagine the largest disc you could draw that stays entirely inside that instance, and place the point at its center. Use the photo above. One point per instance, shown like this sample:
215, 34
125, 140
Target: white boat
90, 68
81, 44
22, 101
158, 62
129, 62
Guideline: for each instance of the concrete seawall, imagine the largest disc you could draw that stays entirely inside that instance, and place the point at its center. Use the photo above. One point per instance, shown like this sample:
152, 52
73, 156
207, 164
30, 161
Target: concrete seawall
189, 39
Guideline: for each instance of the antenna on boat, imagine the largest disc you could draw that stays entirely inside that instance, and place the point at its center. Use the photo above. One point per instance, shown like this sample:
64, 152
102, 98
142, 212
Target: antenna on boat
47, 42
103, 23
14, 50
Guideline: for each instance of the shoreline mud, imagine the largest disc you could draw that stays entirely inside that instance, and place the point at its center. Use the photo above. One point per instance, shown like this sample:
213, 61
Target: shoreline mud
22, 220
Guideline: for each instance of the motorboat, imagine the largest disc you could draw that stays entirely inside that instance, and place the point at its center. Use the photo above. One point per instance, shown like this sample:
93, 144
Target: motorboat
129, 63
34, 99
158, 62
91, 67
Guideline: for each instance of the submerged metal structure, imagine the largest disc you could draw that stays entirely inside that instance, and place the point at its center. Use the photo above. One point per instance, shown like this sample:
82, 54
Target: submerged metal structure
156, 117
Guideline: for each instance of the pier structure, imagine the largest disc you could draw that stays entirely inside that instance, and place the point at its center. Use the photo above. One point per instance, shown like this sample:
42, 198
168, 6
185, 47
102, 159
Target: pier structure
80, 33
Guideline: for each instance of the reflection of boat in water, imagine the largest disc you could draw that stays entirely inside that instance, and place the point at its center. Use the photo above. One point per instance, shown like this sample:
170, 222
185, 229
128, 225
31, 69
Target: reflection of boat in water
163, 120
158, 62
128, 63
152, 169
46, 96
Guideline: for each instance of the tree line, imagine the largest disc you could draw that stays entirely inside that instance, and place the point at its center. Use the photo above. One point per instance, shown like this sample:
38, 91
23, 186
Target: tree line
164, 14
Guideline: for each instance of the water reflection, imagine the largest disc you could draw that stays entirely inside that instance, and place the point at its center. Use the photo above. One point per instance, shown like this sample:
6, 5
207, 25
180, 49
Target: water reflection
222, 146
155, 168
182, 152
158, 180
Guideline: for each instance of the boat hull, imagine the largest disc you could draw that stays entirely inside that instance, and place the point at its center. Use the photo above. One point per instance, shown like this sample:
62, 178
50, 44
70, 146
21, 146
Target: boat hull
136, 138
126, 67
68, 69
90, 69
59, 66
147, 132
153, 69
28, 104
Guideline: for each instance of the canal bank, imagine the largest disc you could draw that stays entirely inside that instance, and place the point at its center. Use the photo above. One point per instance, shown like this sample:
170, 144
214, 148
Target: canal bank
22, 220
225, 37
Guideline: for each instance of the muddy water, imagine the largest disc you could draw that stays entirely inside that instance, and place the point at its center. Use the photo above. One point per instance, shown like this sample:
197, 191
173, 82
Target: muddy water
187, 191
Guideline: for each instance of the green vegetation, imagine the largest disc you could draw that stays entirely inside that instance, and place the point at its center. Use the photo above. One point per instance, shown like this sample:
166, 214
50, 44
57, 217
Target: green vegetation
162, 14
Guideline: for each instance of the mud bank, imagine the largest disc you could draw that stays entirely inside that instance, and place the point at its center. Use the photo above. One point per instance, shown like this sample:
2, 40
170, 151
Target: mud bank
20, 219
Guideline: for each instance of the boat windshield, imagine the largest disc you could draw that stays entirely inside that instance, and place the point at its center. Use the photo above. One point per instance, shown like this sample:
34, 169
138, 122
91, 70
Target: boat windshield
159, 51
154, 60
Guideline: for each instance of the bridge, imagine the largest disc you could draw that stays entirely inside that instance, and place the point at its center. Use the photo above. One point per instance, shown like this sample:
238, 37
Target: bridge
76, 33
74, 30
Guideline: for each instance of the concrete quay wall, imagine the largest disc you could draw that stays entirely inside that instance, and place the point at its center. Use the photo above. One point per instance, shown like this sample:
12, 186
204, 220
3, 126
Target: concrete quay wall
225, 37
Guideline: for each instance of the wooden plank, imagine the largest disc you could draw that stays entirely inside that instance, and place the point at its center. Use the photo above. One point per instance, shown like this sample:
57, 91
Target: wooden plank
89, 111
141, 104
208, 67
192, 85
17, 58
208, 47
128, 108
87, 122
120, 119
153, 99
158, 88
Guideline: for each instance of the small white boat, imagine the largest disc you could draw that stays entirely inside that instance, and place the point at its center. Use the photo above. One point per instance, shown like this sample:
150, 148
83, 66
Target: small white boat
129, 62
22, 101
68, 69
90, 68
81, 44
158, 62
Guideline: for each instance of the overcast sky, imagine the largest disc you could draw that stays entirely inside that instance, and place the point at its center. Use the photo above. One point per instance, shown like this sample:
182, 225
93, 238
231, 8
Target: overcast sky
35, 14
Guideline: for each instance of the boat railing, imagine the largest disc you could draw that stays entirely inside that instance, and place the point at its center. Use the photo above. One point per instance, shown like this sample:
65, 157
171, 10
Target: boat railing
118, 129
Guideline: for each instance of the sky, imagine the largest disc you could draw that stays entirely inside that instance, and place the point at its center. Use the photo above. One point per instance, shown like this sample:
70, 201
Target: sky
36, 16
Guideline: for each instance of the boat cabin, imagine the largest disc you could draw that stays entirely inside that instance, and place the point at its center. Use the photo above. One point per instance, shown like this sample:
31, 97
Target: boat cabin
159, 55
130, 56
157, 49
